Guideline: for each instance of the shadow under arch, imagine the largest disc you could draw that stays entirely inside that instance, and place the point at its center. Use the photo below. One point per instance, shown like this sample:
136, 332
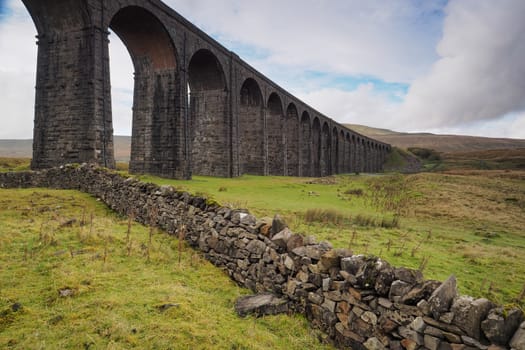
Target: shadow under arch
305, 155
291, 141
274, 127
156, 93
208, 114
251, 122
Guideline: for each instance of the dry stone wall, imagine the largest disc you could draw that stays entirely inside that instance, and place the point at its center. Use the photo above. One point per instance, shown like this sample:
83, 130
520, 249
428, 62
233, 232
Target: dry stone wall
360, 302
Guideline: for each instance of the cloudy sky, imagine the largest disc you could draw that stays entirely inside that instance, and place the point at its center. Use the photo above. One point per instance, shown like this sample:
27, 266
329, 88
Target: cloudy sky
440, 66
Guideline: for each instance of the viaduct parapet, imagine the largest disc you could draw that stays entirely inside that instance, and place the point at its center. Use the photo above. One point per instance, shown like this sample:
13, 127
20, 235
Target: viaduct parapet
197, 107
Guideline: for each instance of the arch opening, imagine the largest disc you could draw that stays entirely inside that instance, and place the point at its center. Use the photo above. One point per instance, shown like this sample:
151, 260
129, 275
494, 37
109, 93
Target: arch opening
251, 122
156, 92
316, 147
305, 146
325, 151
275, 135
349, 154
334, 154
291, 142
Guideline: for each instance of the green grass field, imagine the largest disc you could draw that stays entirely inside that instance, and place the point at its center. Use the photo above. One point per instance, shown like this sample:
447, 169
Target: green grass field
467, 223
72, 278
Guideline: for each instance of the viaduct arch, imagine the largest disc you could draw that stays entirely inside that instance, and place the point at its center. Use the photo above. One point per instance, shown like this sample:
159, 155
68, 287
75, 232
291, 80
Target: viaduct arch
197, 107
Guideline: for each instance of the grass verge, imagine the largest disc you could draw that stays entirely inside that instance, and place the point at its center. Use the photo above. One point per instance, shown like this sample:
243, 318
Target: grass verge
72, 277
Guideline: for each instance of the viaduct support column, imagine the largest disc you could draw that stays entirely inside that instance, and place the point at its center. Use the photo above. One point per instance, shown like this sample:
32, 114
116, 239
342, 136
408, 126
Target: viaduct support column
73, 100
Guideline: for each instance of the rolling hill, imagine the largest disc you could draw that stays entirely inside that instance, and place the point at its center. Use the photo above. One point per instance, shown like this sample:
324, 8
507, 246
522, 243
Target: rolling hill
440, 143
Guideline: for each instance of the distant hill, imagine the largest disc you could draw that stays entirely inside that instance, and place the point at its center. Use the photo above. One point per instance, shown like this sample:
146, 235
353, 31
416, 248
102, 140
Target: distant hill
24, 148
440, 143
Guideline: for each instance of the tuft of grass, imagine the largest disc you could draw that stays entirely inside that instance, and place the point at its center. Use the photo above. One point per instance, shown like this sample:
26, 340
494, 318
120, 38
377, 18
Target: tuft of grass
326, 216
14, 164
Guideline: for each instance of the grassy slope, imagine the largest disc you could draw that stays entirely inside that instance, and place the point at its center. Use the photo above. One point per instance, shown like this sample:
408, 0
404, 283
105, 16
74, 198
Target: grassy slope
116, 295
469, 224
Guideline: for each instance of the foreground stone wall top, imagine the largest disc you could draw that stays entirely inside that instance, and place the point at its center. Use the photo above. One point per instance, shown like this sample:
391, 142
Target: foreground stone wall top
360, 302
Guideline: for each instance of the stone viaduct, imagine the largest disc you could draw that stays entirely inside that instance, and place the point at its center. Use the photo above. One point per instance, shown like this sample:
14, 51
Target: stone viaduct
197, 109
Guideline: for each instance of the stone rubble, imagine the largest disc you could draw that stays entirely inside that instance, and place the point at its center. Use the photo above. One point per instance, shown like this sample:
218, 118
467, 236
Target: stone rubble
360, 302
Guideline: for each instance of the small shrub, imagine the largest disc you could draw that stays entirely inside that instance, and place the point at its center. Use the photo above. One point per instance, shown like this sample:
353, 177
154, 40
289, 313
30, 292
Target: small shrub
363, 220
122, 166
354, 192
425, 153
326, 216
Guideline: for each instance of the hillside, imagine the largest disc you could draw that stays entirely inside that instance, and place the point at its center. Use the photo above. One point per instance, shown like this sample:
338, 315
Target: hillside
440, 143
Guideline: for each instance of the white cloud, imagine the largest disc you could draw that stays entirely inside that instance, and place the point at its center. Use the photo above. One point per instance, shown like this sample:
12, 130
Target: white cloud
380, 38
481, 73
471, 82
17, 73
361, 106
121, 68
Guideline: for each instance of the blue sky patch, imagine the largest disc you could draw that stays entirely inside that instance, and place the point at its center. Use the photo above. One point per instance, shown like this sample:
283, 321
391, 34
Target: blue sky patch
4, 10
393, 90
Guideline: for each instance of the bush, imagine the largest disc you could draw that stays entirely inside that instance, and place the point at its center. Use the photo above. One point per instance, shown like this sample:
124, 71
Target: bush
325, 216
425, 153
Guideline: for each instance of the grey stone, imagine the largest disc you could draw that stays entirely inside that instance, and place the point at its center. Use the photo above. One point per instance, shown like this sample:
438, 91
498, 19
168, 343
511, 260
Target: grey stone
260, 305
295, 241
398, 289
518, 340
498, 327
315, 298
352, 264
373, 344
281, 238
369, 317
288, 263
256, 247
442, 297
328, 260
348, 338
384, 279
447, 317
420, 291
424, 306
408, 275
311, 252
411, 334
418, 325
473, 342
431, 343
435, 332
329, 305
387, 304
278, 224
469, 314
326, 284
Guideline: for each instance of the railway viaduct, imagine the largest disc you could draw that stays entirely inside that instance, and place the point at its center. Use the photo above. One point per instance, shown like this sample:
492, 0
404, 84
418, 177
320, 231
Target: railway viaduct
197, 109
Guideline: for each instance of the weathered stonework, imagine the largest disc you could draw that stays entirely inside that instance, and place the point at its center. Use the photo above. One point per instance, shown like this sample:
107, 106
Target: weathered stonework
360, 302
197, 109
